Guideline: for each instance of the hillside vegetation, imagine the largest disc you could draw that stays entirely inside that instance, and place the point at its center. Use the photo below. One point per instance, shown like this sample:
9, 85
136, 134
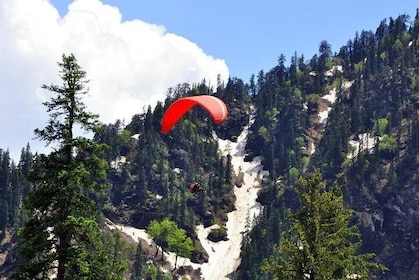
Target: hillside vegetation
352, 114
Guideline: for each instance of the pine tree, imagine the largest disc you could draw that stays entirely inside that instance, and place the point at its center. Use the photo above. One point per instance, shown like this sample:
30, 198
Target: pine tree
138, 268
5, 192
25, 166
321, 243
62, 235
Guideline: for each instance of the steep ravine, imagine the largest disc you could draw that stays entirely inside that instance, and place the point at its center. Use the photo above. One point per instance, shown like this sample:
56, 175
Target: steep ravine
224, 256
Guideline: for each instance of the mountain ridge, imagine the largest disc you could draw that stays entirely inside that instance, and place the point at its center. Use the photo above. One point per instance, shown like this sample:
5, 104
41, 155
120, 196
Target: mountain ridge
312, 114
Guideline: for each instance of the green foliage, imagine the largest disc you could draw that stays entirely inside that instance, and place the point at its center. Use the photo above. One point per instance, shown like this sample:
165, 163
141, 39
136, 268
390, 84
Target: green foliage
293, 174
321, 243
180, 244
13, 188
313, 100
298, 94
152, 271
152, 180
139, 266
120, 251
168, 235
264, 133
388, 144
5, 173
383, 55
62, 232
259, 243
160, 231
151, 183
377, 93
358, 67
218, 234
381, 126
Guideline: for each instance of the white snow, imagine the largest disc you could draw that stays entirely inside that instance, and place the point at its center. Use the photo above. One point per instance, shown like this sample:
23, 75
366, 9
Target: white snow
331, 97
324, 114
312, 148
52, 274
177, 170
224, 256
120, 160
333, 70
347, 84
354, 276
365, 143
135, 233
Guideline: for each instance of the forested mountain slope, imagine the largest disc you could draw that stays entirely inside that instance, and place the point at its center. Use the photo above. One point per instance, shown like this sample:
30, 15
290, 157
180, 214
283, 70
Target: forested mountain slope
351, 114
368, 142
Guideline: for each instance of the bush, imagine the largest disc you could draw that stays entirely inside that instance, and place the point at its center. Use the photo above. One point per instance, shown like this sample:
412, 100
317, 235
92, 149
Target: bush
218, 234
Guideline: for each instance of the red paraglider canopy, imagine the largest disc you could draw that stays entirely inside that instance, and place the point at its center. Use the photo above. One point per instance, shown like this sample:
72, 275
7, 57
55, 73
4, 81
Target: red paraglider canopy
213, 105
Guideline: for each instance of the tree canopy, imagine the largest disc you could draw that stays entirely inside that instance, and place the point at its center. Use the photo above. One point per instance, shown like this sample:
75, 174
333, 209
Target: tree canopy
168, 235
61, 236
321, 243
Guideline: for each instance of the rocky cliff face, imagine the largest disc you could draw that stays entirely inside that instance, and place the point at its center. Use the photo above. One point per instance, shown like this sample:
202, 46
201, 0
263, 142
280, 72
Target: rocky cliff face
389, 222
383, 188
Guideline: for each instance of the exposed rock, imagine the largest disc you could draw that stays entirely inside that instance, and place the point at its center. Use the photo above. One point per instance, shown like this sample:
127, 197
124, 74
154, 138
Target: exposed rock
218, 234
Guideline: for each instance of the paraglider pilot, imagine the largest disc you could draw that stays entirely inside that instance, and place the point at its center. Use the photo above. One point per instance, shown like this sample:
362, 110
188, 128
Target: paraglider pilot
194, 187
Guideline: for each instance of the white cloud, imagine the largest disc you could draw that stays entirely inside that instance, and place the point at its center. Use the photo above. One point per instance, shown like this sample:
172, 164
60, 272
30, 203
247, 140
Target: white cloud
130, 64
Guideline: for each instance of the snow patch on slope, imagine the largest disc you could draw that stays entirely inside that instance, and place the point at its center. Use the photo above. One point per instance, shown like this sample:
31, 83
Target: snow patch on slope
334, 70
133, 232
331, 97
364, 142
323, 115
136, 234
224, 256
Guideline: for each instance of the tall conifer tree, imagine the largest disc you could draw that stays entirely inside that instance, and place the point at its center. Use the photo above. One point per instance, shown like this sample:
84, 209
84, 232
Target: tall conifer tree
321, 243
62, 236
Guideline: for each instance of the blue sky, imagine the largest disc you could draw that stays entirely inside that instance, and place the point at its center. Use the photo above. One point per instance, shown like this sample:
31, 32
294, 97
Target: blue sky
250, 35
134, 50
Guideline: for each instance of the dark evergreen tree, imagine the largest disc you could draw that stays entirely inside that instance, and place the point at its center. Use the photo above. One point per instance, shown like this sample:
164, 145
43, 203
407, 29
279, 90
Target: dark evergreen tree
5, 190
25, 166
139, 266
61, 236
321, 243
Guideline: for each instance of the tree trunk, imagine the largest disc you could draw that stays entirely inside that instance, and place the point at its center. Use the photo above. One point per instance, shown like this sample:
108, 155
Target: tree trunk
62, 258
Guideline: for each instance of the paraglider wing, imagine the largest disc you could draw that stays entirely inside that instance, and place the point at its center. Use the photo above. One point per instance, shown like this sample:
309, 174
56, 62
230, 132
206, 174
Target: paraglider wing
213, 105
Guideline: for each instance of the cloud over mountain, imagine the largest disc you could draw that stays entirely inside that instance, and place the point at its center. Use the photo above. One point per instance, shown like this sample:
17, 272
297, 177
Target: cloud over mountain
130, 64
